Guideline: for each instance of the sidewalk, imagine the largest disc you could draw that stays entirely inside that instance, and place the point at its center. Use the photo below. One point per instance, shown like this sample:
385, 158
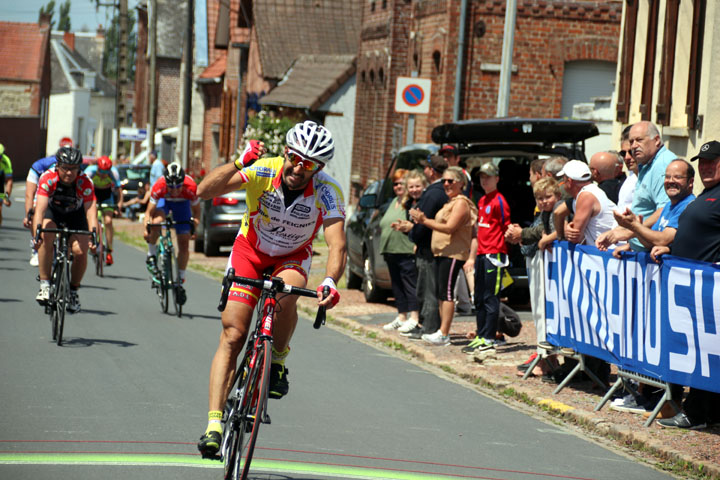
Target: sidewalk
695, 454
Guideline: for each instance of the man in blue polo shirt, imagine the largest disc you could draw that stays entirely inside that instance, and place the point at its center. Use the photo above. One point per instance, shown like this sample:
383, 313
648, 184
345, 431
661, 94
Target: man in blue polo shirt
649, 196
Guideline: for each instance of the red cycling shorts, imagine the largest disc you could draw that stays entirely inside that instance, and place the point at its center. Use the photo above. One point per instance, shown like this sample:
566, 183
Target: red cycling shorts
248, 262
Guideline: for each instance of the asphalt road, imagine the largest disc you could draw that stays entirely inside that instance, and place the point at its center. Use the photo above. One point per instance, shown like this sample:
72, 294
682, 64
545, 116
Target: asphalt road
126, 397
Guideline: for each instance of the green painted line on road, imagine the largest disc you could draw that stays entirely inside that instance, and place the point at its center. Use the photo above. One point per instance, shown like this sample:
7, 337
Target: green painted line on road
192, 461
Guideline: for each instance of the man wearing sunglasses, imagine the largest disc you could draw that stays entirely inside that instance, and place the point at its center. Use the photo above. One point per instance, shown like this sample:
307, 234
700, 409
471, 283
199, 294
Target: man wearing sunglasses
289, 198
65, 196
106, 179
177, 193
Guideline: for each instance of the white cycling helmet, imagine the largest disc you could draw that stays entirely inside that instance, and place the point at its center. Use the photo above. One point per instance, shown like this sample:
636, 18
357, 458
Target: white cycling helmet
312, 141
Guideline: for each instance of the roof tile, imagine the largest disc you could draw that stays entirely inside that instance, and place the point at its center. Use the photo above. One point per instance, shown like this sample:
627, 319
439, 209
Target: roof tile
21, 50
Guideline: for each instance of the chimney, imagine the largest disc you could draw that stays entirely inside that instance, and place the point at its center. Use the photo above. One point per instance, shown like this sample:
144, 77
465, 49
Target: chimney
69, 39
44, 20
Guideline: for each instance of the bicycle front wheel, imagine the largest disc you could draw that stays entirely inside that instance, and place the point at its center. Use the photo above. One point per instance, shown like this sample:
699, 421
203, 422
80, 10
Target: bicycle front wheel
52, 303
253, 406
174, 274
61, 300
164, 282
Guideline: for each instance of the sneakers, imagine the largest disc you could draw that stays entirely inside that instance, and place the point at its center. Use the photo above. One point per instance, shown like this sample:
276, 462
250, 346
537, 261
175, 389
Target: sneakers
43, 295
681, 421
108, 259
523, 367
406, 333
279, 384
394, 325
34, 259
478, 344
74, 305
436, 338
500, 341
407, 326
151, 264
209, 444
181, 295
629, 403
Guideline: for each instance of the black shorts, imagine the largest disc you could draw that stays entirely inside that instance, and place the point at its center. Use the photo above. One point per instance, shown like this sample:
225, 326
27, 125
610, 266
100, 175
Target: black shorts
76, 220
104, 196
447, 270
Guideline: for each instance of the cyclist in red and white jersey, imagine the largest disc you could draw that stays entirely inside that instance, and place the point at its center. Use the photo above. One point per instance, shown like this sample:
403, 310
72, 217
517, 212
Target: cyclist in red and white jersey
177, 193
289, 198
65, 196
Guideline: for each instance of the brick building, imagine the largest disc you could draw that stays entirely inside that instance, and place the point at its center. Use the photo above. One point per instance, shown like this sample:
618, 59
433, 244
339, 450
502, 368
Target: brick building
405, 37
24, 91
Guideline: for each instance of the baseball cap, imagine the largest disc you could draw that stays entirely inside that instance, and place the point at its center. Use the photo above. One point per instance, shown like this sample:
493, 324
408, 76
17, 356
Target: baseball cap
448, 149
437, 163
709, 151
490, 169
576, 170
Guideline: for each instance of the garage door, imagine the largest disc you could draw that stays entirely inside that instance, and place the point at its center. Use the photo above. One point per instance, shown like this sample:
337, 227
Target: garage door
584, 80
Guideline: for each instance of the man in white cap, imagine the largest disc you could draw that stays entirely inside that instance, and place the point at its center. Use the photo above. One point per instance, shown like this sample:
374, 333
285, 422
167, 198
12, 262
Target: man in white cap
592, 209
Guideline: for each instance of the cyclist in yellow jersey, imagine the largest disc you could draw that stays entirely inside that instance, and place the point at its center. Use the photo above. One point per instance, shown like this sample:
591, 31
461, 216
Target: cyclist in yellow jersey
6, 179
289, 198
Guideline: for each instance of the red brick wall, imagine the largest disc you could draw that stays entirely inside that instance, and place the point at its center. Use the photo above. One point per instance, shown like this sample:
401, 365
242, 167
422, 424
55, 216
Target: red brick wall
548, 34
169, 88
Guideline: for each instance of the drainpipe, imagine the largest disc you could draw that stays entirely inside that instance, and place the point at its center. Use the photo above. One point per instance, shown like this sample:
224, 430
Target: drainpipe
460, 61
503, 104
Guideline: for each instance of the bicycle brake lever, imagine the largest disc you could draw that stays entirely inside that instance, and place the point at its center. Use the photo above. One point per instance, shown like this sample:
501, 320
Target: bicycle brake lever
320, 317
225, 289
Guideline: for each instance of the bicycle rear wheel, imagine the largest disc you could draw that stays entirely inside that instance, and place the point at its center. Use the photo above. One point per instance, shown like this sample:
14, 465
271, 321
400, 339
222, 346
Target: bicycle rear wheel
61, 302
252, 407
99, 255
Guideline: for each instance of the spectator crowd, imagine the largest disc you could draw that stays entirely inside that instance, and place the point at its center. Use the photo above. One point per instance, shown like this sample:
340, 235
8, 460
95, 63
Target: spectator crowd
446, 238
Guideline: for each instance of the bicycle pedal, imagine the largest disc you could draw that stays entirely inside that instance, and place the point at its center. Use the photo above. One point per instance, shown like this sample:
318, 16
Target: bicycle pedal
266, 419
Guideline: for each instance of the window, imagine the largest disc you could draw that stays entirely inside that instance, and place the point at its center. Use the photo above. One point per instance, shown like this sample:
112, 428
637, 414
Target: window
381, 77
650, 53
667, 64
696, 51
437, 61
245, 14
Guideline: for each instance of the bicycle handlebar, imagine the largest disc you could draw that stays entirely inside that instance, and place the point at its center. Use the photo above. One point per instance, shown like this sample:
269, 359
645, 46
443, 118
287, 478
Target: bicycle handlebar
171, 223
67, 232
271, 284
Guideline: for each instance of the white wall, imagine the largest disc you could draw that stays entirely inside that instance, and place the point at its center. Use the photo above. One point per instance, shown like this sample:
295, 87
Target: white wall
340, 121
102, 113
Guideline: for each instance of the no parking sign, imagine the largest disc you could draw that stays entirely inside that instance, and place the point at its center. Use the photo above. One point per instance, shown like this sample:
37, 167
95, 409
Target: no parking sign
412, 95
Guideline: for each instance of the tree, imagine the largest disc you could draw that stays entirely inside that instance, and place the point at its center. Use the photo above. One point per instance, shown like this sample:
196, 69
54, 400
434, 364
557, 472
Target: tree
112, 42
48, 9
64, 14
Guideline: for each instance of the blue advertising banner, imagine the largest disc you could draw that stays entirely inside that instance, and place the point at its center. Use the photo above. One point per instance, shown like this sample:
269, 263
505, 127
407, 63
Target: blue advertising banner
660, 320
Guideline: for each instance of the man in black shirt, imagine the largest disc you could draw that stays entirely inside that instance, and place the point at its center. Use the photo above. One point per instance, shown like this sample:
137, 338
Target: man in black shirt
431, 201
698, 238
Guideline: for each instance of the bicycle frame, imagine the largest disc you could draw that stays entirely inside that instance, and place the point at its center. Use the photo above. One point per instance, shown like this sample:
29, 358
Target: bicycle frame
166, 259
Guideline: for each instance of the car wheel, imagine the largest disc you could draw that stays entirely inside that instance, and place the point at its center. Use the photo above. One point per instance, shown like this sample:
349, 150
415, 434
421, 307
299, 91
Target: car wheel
369, 287
211, 249
353, 281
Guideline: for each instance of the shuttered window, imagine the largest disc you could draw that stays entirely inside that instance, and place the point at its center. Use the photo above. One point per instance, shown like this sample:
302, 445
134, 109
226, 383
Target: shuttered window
626, 61
667, 65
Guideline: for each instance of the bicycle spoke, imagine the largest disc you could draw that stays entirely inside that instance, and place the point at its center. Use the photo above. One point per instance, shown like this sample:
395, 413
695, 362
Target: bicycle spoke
253, 406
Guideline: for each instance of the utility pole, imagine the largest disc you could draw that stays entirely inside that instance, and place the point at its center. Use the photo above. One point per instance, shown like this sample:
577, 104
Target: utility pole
152, 100
121, 80
187, 84
503, 104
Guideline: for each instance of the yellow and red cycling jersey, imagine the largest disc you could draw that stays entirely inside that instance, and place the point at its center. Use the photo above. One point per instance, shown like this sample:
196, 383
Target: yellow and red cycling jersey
272, 228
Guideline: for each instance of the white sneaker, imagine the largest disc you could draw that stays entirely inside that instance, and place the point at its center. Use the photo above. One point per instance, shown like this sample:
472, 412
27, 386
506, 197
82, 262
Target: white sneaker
407, 326
43, 295
437, 338
34, 259
394, 325
74, 305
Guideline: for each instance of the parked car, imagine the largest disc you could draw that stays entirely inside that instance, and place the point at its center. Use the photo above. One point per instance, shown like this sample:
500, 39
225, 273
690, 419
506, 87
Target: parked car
131, 176
219, 222
510, 143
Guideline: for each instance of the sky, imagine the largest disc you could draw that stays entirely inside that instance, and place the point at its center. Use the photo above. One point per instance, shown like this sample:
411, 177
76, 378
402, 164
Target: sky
82, 12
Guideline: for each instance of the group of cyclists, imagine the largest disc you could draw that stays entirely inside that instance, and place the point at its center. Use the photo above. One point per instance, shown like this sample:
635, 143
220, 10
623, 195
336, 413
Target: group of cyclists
289, 198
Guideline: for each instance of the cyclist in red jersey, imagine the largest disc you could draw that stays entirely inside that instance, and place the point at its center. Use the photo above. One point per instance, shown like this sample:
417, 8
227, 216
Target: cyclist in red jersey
65, 196
177, 193
289, 198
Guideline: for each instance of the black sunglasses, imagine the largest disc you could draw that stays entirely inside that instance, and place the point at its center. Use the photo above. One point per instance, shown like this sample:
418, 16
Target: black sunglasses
397, 183
449, 181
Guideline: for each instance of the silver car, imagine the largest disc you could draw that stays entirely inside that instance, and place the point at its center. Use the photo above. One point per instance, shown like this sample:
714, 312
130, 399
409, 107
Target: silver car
219, 222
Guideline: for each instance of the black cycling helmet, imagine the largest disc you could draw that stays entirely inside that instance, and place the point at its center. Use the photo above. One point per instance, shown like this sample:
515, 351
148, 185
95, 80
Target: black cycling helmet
174, 175
69, 156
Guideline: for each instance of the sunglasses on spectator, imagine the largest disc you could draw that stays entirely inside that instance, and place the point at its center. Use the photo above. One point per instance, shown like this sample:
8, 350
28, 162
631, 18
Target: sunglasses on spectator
623, 153
449, 181
306, 164
395, 184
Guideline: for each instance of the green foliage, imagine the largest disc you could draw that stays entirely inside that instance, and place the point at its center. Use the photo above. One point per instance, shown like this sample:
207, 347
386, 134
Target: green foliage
268, 128
64, 17
50, 10
112, 42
